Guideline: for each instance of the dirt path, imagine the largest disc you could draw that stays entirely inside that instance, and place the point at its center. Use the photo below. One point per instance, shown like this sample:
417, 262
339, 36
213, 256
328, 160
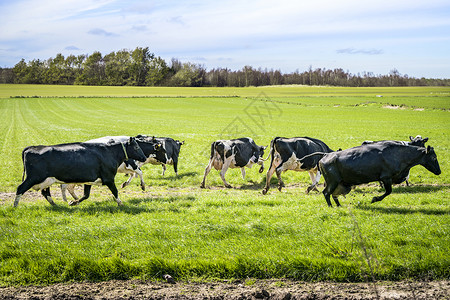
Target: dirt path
250, 289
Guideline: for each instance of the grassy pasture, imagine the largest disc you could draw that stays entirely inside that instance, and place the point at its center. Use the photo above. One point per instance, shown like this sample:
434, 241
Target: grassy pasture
175, 227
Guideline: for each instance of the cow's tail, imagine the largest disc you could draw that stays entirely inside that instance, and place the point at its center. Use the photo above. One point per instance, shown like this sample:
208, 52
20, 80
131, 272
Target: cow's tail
322, 154
23, 163
272, 150
213, 147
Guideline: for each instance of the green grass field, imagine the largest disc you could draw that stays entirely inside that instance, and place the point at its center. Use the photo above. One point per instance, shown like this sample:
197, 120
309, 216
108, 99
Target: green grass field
177, 228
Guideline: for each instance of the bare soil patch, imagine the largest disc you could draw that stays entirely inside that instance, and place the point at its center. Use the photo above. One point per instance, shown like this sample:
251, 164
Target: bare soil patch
250, 289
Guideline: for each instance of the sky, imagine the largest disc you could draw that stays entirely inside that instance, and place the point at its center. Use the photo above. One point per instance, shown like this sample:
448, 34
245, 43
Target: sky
411, 36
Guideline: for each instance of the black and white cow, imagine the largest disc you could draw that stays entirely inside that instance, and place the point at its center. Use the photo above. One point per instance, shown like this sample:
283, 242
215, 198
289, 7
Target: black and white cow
385, 162
168, 153
149, 147
236, 153
417, 141
82, 163
285, 154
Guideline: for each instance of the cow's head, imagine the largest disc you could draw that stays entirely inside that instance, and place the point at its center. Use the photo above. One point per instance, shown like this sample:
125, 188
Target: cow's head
418, 141
179, 144
134, 151
430, 161
149, 145
259, 154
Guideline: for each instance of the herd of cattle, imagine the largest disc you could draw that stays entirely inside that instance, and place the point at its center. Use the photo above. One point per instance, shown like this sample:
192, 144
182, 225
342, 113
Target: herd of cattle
97, 161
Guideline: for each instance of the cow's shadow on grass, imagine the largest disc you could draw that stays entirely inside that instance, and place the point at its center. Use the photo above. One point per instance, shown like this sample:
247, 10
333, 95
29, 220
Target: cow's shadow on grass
176, 177
400, 189
168, 199
404, 211
419, 189
96, 209
132, 206
250, 185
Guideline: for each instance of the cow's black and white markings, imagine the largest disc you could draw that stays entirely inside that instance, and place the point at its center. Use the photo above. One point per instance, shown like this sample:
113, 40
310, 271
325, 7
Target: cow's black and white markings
236, 153
385, 162
168, 153
83, 163
286, 154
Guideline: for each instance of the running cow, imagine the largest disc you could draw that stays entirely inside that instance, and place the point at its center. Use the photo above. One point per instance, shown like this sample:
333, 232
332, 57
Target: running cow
82, 163
386, 162
237, 153
417, 141
286, 154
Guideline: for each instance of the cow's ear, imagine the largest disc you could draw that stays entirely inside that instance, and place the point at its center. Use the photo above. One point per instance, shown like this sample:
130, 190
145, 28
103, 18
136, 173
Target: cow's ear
157, 146
425, 140
264, 147
429, 149
411, 138
131, 139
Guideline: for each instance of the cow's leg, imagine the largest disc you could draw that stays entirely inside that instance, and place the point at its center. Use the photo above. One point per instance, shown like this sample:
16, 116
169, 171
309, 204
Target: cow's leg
207, 170
225, 167
388, 187
335, 198
63, 188
71, 190
164, 169
243, 172
269, 175
281, 184
175, 166
87, 192
141, 177
268, 178
46, 193
139, 172
22, 188
328, 191
315, 177
124, 184
113, 189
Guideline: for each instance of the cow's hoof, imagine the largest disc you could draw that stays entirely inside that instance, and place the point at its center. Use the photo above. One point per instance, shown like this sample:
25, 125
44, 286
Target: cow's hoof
123, 185
264, 191
228, 186
202, 186
280, 187
73, 203
143, 187
375, 199
261, 170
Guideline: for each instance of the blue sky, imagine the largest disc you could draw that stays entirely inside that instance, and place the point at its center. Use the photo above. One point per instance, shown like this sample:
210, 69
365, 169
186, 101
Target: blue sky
373, 36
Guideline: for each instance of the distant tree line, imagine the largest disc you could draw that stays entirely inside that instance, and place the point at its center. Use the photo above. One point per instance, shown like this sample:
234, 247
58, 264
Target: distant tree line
140, 67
